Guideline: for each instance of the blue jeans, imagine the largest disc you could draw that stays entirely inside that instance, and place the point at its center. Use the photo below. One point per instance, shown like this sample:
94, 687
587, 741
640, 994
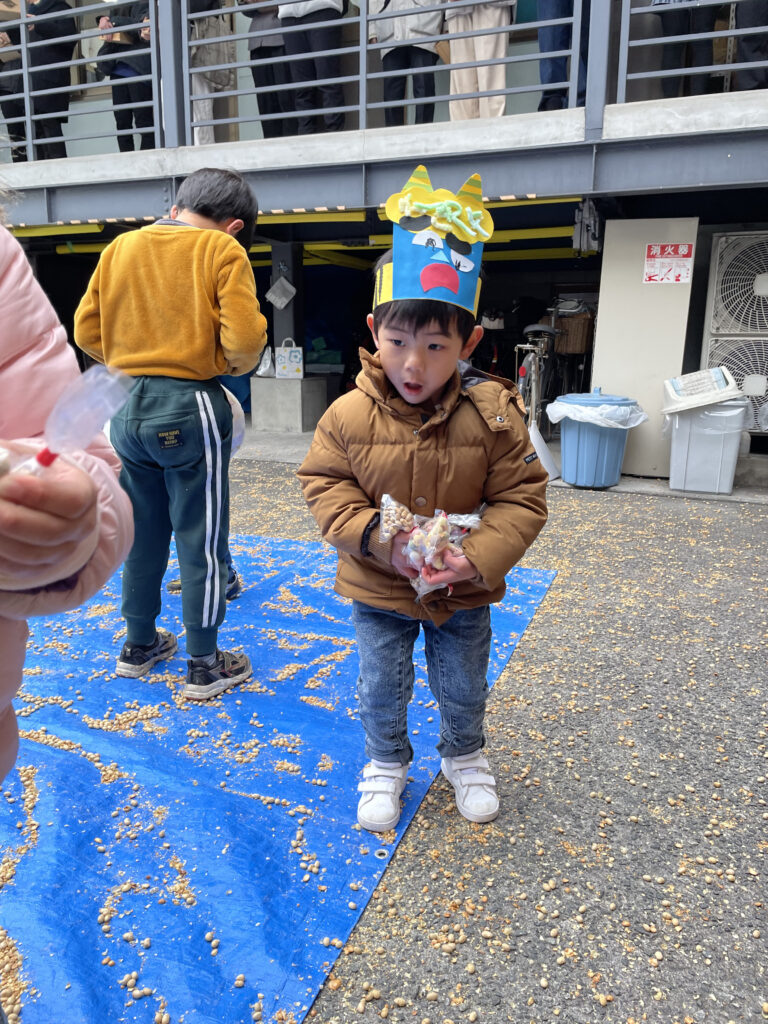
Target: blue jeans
457, 667
558, 37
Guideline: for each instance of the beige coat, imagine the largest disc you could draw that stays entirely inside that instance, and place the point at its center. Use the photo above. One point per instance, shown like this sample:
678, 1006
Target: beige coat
474, 448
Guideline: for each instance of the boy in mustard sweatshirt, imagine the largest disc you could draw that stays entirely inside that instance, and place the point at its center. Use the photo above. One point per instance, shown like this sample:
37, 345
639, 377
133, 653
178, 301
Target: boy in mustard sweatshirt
174, 305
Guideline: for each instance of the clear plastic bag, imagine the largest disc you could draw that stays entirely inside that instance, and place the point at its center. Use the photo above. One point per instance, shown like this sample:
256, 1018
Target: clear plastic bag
394, 518
266, 367
430, 537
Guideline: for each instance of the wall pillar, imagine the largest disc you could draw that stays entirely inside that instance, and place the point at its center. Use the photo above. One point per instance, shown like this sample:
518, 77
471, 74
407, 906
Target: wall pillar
288, 261
640, 333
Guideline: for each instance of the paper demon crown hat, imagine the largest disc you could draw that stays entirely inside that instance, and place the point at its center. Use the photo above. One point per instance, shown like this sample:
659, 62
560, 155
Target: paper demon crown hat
437, 243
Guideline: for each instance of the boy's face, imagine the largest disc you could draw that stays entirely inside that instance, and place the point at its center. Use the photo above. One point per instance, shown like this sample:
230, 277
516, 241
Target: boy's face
419, 363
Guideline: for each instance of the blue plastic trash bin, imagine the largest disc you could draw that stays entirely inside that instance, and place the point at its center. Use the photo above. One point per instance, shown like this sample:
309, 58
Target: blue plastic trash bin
592, 455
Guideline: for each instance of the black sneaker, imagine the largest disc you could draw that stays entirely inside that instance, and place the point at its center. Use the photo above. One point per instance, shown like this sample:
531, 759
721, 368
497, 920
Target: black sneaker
233, 590
234, 587
206, 681
137, 659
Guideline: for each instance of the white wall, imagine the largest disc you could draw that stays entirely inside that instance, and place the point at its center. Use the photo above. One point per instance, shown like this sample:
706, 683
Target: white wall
640, 332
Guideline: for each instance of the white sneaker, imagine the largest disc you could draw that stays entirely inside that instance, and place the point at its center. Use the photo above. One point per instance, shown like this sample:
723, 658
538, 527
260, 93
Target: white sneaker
379, 807
473, 784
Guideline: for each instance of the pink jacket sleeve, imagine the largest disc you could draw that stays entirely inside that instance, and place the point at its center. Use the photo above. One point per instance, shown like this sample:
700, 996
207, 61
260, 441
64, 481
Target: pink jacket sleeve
36, 365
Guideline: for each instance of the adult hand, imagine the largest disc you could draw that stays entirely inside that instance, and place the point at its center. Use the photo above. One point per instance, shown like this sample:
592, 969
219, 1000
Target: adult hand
399, 559
457, 568
44, 519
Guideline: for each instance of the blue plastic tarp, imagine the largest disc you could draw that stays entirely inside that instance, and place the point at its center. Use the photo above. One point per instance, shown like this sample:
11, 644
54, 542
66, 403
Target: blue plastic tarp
140, 831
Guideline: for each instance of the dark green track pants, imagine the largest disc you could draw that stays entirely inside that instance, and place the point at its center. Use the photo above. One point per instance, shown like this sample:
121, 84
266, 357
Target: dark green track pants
174, 438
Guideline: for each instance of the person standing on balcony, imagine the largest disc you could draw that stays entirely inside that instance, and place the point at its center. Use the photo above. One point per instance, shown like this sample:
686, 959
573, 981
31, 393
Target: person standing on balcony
210, 79
558, 37
409, 53
306, 68
486, 77
752, 14
57, 51
267, 68
128, 95
688, 21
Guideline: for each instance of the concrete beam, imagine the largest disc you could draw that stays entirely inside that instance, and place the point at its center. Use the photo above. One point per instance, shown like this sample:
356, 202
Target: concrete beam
697, 143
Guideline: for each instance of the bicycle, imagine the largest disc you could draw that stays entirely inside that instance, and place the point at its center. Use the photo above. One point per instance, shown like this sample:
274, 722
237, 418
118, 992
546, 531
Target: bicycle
551, 373
538, 346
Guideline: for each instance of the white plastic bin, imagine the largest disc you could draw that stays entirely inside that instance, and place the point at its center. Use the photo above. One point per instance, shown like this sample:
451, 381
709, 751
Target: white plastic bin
705, 447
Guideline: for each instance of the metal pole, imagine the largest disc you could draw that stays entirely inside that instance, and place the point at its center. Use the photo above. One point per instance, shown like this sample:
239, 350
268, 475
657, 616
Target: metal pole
621, 86
597, 67
573, 78
172, 53
363, 82
26, 81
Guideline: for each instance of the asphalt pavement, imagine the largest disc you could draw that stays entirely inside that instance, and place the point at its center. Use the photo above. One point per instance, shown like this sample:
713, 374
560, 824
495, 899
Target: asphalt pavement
626, 878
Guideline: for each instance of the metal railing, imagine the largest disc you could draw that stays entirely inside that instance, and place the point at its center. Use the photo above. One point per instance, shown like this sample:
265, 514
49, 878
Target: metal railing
688, 36
66, 92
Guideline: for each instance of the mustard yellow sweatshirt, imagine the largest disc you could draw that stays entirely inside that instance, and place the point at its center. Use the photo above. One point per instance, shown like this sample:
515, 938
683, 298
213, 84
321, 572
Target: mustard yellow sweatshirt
171, 300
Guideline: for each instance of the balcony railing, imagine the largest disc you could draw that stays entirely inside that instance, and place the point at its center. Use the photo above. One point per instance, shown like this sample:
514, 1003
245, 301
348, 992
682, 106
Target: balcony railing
181, 78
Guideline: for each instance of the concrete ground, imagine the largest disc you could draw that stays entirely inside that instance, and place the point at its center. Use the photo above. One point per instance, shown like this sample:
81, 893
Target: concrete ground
626, 878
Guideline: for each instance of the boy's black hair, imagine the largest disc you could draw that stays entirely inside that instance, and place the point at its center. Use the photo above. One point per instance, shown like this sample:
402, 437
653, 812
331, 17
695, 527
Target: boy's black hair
218, 193
413, 314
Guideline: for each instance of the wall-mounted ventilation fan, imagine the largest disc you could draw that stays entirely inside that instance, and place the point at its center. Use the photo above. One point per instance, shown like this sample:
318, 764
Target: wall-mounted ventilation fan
737, 316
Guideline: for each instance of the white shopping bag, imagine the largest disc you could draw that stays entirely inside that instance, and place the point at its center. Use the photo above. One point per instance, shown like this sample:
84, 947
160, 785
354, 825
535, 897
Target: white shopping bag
545, 455
289, 360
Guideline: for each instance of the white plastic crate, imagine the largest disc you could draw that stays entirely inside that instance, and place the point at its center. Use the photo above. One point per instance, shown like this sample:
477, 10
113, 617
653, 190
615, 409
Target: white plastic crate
704, 387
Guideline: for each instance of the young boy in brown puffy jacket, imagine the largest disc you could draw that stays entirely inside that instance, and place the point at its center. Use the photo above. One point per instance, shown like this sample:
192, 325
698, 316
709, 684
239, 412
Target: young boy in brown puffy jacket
427, 429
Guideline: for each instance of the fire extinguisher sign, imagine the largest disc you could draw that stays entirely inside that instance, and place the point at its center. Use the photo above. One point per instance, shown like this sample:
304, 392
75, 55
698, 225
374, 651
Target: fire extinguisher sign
668, 263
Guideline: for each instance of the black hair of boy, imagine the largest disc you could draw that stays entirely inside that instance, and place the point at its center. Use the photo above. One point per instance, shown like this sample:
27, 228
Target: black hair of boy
219, 193
413, 314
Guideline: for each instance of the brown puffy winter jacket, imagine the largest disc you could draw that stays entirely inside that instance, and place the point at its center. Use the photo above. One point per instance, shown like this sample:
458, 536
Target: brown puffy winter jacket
473, 448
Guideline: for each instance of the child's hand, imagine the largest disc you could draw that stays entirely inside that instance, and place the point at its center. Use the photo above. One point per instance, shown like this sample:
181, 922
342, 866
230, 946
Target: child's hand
457, 568
399, 557
44, 519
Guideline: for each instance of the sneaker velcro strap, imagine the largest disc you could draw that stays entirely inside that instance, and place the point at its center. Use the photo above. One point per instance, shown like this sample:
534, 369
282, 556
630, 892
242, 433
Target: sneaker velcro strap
378, 786
476, 779
381, 780
470, 761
